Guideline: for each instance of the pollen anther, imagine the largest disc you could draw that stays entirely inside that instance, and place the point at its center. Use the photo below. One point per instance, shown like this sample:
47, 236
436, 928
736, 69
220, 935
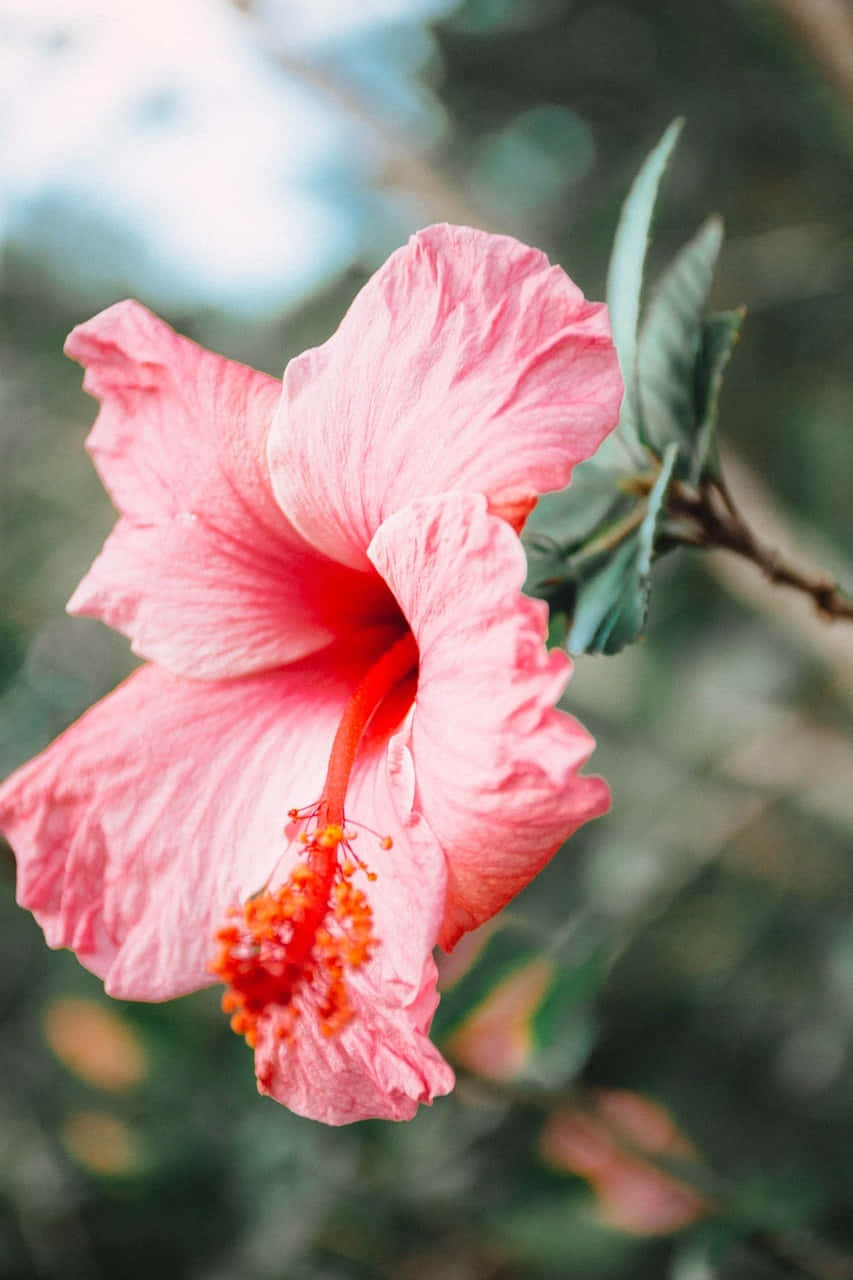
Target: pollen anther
294, 944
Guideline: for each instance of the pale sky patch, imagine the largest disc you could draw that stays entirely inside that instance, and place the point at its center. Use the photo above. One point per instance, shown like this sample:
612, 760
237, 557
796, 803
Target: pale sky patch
161, 146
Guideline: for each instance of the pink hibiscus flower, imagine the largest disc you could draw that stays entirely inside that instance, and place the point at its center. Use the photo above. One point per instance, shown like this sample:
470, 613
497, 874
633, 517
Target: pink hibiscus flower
343, 748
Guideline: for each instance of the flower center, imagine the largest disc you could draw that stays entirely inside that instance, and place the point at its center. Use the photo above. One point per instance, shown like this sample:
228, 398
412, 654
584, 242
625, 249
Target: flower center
290, 946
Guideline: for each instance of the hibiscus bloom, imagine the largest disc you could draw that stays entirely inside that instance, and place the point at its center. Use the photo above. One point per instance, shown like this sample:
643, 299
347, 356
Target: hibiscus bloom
343, 747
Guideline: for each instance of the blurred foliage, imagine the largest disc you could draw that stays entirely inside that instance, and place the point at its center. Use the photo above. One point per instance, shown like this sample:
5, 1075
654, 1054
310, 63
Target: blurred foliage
691, 953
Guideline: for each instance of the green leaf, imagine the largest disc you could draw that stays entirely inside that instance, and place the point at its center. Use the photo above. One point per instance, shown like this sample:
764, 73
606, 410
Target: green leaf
670, 344
586, 545
562, 523
608, 607
720, 332
570, 516
625, 275
562, 1026
612, 600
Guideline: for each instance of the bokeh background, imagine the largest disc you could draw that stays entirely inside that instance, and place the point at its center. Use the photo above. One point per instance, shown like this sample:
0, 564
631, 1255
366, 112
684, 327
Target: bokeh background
655, 1045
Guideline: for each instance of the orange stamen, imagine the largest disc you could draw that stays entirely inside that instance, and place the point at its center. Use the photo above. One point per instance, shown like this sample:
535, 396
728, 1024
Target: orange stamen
293, 944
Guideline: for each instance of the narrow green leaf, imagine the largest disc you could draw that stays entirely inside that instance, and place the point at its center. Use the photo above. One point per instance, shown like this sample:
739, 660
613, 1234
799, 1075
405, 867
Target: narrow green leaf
670, 343
607, 601
656, 501
612, 601
577, 987
625, 273
720, 332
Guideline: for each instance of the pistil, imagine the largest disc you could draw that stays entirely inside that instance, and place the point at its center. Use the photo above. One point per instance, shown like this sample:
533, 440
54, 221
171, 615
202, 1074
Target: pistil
292, 946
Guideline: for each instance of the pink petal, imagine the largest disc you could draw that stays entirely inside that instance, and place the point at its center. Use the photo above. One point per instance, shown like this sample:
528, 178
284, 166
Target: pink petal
137, 827
203, 572
165, 805
496, 766
467, 362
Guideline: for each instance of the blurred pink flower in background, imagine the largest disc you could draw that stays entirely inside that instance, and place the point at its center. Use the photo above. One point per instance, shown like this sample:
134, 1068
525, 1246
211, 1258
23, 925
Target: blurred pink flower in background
607, 1146
324, 576
496, 1040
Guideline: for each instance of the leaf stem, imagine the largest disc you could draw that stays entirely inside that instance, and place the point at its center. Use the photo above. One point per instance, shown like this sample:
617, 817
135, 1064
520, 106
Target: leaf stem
612, 537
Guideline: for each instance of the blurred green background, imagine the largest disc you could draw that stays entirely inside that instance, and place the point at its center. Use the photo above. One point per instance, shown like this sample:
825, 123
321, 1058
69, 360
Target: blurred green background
655, 1044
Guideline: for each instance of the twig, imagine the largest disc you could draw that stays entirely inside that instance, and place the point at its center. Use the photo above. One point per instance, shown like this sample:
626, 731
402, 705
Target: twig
714, 521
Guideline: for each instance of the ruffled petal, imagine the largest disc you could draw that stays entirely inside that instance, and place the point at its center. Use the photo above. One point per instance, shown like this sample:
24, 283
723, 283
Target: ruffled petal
137, 827
165, 805
496, 765
203, 572
467, 362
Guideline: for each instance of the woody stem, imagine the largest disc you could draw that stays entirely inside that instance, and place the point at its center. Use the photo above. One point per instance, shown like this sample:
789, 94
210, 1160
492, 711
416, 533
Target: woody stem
718, 524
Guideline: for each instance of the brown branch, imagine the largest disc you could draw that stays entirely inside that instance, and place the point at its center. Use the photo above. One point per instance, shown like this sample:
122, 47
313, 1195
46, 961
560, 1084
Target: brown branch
714, 521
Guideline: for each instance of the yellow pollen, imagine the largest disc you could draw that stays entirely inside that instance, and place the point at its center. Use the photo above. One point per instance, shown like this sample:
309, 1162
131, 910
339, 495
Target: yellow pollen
331, 836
